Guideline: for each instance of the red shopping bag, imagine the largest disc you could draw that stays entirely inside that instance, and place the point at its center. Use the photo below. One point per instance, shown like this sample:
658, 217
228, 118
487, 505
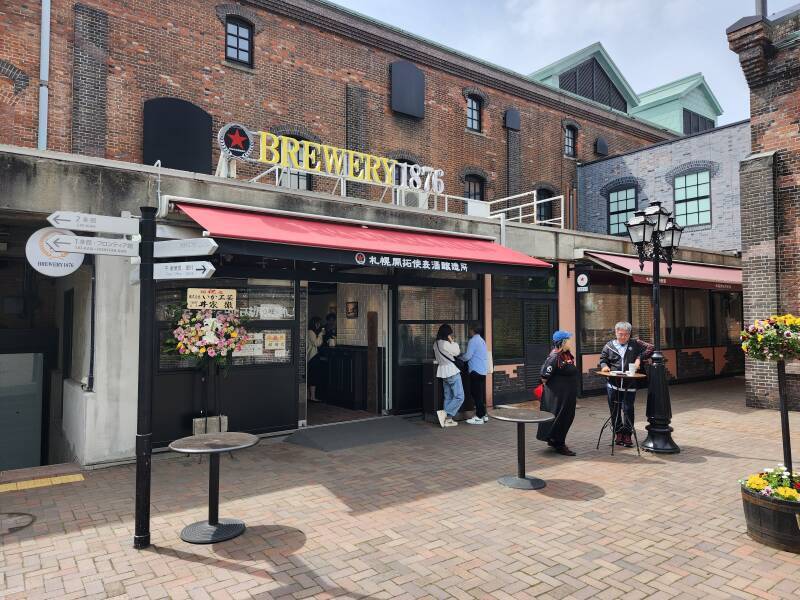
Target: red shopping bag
538, 391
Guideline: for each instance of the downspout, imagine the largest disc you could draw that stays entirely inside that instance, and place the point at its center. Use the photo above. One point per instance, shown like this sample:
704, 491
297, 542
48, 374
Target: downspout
44, 74
577, 203
90, 378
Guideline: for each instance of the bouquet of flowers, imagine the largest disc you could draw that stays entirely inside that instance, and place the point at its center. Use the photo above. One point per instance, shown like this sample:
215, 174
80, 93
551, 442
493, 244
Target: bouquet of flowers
776, 483
776, 338
205, 336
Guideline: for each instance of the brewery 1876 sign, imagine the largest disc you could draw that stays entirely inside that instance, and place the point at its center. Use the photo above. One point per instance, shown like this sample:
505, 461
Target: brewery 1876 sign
311, 157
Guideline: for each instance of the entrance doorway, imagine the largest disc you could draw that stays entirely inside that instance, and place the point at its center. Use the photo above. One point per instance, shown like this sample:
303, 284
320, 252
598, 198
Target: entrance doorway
346, 341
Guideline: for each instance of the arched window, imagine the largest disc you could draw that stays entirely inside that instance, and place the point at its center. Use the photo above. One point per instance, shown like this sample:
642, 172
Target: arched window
474, 187
239, 41
405, 196
293, 179
474, 107
621, 206
570, 141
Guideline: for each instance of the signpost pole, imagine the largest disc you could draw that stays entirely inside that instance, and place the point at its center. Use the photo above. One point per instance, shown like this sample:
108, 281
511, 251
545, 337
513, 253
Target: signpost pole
144, 442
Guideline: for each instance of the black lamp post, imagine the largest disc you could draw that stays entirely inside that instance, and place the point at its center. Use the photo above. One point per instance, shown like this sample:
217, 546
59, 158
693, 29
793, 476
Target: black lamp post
656, 237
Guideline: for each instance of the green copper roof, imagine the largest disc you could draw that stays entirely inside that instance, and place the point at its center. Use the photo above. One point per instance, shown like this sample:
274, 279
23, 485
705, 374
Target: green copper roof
678, 89
597, 52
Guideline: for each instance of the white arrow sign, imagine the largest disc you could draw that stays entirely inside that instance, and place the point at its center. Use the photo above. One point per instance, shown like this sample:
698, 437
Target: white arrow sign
190, 247
88, 222
95, 245
200, 269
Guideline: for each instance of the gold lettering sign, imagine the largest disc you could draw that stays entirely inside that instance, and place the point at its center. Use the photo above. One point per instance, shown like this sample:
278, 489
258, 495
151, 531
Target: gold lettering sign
290, 153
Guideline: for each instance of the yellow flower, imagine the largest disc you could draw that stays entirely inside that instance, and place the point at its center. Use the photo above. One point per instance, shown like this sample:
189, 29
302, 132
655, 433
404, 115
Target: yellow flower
787, 493
744, 347
234, 334
759, 337
756, 482
202, 349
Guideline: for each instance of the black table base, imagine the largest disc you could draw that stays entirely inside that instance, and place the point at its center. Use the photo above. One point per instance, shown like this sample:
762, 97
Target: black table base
618, 408
204, 532
521, 481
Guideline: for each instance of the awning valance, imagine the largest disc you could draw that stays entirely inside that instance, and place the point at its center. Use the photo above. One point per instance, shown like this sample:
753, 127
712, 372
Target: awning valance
359, 245
711, 277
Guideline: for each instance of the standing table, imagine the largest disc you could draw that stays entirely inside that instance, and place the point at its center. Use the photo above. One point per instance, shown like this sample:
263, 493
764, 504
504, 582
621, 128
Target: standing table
215, 529
521, 416
620, 379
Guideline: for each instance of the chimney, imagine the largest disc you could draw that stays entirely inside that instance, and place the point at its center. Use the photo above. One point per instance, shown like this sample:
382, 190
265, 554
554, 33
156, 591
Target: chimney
761, 8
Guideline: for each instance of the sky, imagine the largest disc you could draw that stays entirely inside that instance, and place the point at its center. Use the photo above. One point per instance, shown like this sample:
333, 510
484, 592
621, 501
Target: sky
652, 42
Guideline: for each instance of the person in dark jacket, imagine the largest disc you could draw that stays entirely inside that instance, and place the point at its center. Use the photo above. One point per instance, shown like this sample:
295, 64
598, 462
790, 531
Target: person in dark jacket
617, 355
560, 379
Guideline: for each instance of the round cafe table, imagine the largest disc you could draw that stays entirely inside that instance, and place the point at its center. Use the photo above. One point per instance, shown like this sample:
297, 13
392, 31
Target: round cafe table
624, 382
215, 529
521, 416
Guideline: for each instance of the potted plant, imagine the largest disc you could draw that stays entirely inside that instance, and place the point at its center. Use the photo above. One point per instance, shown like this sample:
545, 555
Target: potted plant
771, 498
209, 338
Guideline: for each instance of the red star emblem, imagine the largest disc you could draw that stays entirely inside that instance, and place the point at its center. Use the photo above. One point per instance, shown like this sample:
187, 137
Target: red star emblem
237, 140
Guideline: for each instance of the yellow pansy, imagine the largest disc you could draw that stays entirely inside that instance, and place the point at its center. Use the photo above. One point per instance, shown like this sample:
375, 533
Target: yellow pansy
744, 347
787, 493
756, 482
759, 337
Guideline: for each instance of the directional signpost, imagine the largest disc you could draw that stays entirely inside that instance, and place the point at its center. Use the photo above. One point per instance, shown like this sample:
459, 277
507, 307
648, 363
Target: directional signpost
95, 245
190, 247
97, 223
200, 269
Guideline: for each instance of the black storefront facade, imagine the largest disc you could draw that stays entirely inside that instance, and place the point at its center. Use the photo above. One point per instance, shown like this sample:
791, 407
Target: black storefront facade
388, 307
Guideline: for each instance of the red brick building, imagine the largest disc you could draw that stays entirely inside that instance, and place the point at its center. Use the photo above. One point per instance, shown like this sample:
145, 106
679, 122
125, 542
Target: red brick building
769, 53
313, 70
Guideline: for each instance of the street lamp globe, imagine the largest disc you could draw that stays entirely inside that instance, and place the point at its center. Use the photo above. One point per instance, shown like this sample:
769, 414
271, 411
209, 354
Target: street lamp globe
658, 215
672, 235
640, 228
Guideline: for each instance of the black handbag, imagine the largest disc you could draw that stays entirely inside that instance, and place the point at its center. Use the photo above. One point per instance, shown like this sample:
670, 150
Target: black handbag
460, 364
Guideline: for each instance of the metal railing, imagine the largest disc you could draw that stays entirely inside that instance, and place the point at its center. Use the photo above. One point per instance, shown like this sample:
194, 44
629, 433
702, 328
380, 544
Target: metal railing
512, 209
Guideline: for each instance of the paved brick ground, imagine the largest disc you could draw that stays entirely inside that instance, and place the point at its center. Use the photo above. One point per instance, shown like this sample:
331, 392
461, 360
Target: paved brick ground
425, 519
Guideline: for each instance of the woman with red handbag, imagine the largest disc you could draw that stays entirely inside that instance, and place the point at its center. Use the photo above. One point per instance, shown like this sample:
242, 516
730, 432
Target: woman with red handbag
559, 393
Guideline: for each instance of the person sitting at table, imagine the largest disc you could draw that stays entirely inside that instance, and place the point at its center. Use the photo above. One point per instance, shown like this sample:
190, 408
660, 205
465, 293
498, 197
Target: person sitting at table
560, 378
617, 355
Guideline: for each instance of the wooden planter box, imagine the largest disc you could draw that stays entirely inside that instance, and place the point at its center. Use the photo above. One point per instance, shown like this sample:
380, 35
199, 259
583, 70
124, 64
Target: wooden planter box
772, 522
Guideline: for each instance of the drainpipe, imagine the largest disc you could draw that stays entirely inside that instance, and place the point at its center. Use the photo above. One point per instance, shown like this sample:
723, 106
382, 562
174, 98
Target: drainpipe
90, 378
44, 74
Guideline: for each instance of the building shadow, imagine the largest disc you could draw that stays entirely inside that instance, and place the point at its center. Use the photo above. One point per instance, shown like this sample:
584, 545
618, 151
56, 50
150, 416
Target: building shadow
261, 551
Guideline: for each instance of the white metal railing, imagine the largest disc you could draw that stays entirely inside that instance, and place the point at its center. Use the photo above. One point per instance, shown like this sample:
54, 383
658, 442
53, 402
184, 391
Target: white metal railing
547, 211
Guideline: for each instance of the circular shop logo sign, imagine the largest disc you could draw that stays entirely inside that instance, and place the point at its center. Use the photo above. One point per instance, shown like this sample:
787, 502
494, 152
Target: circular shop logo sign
360, 258
235, 140
44, 255
582, 280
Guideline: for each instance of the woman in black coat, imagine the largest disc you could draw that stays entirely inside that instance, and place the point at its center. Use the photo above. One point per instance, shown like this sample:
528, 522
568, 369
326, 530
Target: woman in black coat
560, 379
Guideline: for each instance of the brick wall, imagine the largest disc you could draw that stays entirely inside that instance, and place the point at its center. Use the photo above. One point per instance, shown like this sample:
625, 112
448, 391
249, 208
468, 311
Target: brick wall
652, 172
770, 186
109, 56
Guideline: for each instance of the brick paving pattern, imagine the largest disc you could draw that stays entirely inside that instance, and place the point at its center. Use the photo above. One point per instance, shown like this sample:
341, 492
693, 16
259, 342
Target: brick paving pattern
424, 518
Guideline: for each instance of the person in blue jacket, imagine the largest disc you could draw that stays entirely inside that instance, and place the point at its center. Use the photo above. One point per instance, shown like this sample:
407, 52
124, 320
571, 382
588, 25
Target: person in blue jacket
477, 359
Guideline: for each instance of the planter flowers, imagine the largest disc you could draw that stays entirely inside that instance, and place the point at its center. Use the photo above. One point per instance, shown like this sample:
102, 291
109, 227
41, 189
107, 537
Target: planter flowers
771, 498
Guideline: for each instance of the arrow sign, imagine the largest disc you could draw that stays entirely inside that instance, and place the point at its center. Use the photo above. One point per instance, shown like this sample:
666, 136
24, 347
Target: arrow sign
93, 245
199, 269
190, 247
88, 222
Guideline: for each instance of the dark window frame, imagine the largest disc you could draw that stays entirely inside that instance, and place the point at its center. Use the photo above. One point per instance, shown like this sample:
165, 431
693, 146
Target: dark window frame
624, 188
570, 141
475, 187
695, 123
544, 212
237, 31
294, 177
681, 205
474, 113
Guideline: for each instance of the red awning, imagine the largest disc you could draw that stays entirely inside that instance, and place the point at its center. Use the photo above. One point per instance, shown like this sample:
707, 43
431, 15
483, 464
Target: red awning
683, 274
308, 232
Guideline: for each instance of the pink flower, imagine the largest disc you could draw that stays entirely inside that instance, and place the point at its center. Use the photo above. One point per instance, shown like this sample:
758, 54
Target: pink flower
212, 353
